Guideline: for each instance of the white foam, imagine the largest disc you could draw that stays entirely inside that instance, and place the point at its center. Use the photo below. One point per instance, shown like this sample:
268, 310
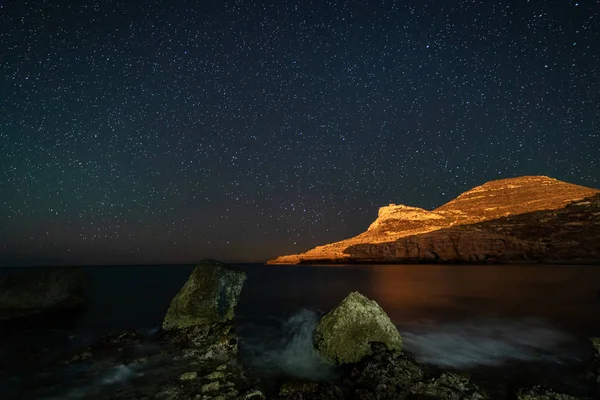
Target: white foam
292, 353
119, 374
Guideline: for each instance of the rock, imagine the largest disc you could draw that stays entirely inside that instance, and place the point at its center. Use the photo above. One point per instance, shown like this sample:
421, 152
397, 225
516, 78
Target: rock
225, 345
211, 387
596, 344
508, 220
118, 340
345, 334
168, 393
593, 370
200, 316
213, 376
306, 390
188, 376
385, 374
448, 386
229, 394
540, 393
83, 355
253, 394
38, 290
217, 343
208, 297
297, 390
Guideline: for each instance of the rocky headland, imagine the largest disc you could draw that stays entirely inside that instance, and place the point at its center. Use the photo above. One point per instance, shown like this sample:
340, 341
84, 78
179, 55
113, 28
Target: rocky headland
525, 219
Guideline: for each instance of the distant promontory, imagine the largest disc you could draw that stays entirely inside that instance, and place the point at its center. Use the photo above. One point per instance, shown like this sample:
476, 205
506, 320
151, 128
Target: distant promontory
525, 219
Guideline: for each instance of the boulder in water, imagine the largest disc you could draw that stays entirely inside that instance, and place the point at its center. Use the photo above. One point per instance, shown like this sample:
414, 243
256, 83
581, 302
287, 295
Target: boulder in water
208, 297
200, 315
39, 290
345, 334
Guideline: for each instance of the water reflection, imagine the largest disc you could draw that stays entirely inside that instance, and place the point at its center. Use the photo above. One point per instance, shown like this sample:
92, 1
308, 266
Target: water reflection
566, 295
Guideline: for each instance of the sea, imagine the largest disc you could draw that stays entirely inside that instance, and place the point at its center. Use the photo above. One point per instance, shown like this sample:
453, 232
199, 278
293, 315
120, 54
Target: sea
456, 317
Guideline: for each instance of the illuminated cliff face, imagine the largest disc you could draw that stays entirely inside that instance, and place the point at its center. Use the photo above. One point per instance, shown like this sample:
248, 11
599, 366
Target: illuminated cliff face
492, 201
393, 218
513, 196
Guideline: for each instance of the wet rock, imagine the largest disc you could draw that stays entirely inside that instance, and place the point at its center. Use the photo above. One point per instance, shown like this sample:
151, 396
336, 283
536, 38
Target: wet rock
253, 394
229, 394
593, 371
211, 387
448, 386
199, 319
540, 393
217, 342
345, 334
188, 376
120, 346
208, 297
213, 376
82, 355
384, 375
306, 390
39, 290
297, 390
139, 360
168, 393
118, 340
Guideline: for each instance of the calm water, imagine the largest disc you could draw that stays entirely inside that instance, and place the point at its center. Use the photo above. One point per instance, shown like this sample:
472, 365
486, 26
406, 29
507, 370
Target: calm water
451, 316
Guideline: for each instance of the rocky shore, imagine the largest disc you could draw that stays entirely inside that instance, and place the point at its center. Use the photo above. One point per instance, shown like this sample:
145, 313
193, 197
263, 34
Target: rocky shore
194, 355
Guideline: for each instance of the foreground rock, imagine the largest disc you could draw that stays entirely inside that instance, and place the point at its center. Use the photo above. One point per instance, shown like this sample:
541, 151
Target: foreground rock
40, 290
345, 334
539, 393
193, 357
531, 218
200, 316
306, 390
386, 374
593, 370
448, 386
358, 332
208, 297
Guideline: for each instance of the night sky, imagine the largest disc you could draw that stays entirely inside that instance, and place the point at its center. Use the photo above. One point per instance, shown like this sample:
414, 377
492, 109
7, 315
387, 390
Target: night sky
167, 132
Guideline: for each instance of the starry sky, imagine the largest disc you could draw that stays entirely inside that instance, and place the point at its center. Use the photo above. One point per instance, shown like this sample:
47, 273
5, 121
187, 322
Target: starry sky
136, 132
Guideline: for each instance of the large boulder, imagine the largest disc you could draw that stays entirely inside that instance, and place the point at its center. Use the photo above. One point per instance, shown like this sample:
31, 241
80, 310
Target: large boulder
208, 297
38, 290
345, 334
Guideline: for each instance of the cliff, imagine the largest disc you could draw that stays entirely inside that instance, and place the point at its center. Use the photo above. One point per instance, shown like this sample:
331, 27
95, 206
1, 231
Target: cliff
526, 219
